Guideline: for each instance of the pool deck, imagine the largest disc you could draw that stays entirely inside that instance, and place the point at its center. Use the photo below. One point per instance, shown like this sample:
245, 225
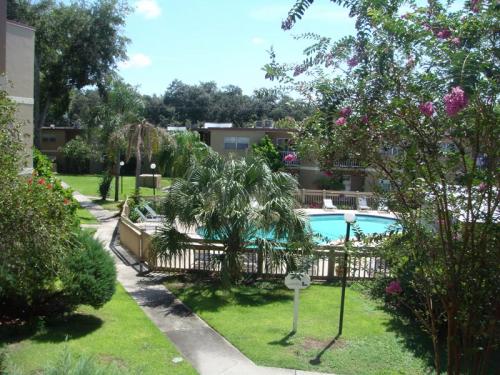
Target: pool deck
322, 211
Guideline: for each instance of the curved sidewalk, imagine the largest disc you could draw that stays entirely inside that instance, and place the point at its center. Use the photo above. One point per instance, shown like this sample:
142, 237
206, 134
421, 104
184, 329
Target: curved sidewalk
208, 351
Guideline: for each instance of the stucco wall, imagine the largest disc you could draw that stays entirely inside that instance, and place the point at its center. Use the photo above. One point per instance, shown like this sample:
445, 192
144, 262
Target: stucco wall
217, 140
20, 49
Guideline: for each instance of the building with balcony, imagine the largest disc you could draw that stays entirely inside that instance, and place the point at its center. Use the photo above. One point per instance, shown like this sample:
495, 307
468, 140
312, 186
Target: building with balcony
17, 51
228, 140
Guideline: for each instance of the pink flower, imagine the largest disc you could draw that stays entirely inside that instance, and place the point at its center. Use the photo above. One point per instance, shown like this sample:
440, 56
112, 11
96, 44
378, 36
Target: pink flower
456, 41
394, 287
299, 69
427, 26
290, 158
482, 187
443, 34
346, 111
41, 181
410, 62
341, 121
352, 62
455, 101
328, 173
364, 119
426, 108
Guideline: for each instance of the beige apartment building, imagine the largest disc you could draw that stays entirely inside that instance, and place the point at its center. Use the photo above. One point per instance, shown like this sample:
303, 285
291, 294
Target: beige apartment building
52, 139
17, 51
228, 140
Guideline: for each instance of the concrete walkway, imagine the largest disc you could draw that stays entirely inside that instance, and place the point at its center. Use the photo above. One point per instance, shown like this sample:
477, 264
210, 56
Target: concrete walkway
207, 351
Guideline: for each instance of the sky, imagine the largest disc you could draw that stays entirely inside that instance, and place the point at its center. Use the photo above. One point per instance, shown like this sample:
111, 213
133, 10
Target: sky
225, 41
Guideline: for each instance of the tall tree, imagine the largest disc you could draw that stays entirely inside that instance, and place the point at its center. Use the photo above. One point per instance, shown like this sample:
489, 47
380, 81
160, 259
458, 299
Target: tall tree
423, 82
77, 45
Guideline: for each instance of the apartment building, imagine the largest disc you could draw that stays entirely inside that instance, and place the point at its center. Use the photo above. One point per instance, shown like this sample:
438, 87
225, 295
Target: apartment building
228, 140
17, 56
54, 138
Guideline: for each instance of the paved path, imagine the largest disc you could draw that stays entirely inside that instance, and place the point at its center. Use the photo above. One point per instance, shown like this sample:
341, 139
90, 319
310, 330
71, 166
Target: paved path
202, 346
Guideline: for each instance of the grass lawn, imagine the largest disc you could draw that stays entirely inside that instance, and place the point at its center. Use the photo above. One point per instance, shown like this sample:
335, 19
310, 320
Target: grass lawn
89, 185
258, 320
119, 333
85, 216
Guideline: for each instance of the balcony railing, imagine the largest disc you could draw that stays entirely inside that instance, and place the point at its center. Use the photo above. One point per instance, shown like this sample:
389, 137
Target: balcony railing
347, 163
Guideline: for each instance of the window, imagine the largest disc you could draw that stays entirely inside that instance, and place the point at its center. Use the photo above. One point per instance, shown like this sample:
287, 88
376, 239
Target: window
283, 144
48, 139
236, 143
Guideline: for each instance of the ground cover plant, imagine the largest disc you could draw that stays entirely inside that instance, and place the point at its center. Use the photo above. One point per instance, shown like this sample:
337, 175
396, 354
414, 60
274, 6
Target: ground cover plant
414, 95
119, 334
257, 319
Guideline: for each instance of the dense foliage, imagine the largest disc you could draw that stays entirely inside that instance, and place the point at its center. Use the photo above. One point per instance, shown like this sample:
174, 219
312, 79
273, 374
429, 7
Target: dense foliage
84, 54
414, 95
267, 150
40, 238
240, 203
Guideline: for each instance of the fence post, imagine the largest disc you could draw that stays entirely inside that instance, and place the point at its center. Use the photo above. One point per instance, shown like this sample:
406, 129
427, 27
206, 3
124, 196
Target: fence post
260, 263
303, 197
331, 264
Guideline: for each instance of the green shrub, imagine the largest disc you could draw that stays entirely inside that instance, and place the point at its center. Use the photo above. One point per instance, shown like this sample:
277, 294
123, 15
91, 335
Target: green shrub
41, 164
78, 155
90, 273
330, 183
104, 185
36, 223
268, 151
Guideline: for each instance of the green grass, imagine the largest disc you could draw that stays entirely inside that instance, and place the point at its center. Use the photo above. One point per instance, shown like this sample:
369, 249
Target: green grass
119, 333
85, 216
258, 321
89, 185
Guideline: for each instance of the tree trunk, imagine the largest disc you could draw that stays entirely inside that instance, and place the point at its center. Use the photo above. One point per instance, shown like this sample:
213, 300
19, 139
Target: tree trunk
138, 158
117, 178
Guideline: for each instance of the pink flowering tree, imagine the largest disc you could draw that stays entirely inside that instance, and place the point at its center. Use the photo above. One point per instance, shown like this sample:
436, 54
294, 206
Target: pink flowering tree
424, 84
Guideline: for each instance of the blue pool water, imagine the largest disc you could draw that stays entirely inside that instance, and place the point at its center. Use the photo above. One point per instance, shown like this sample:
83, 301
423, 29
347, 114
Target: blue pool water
333, 226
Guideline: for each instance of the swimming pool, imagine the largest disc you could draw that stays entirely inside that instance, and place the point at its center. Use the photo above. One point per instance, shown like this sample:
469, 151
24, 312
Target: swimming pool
333, 226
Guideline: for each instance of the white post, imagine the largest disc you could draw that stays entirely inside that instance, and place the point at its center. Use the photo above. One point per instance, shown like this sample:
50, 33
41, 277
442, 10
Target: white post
295, 309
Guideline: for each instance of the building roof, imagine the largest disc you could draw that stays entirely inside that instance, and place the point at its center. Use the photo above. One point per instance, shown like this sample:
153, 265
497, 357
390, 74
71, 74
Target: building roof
212, 125
17, 23
289, 130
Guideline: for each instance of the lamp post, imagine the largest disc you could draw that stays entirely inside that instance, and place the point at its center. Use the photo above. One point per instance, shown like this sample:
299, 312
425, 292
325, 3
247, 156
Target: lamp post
122, 163
153, 167
349, 217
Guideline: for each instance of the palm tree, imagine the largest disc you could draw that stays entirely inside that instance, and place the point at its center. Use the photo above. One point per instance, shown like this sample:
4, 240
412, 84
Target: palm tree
238, 202
142, 138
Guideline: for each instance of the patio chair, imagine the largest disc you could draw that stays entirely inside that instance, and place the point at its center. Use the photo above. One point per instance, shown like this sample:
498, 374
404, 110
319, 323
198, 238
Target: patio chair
362, 204
142, 217
151, 214
328, 204
382, 206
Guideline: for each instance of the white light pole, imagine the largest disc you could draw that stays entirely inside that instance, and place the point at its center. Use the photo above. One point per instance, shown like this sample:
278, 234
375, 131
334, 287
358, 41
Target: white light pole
349, 217
122, 163
153, 167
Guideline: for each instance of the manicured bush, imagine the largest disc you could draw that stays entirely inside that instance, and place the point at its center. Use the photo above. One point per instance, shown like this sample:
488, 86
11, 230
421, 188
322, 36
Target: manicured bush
41, 164
90, 273
105, 185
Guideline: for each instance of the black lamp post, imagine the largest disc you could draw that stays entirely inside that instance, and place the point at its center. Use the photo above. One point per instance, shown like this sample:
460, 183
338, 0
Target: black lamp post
122, 163
349, 217
153, 167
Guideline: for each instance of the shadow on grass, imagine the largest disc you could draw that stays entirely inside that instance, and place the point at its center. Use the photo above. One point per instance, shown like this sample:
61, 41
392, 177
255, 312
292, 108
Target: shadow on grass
73, 327
208, 295
317, 360
411, 336
284, 341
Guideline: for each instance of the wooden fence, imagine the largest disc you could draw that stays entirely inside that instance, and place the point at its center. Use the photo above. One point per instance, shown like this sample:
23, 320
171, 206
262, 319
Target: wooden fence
308, 198
325, 263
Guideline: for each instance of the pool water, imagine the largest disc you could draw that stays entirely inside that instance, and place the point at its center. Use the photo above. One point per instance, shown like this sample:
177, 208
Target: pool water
333, 227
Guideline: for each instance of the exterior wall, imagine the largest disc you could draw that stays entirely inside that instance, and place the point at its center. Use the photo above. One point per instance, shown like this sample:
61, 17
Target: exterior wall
217, 139
19, 80
308, 177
